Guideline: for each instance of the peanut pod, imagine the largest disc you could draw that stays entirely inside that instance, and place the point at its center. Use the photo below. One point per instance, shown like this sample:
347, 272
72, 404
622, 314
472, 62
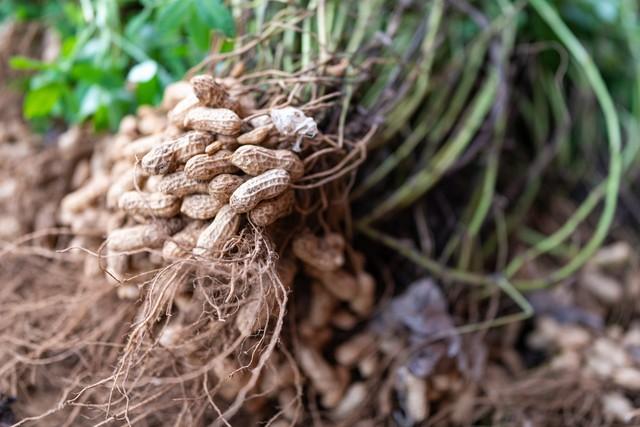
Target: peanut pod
178, 113
254, 160
190, 144
141, 146
204, 166
142, 236
149, 204
262, 187
159, 160
216, 235
256, 136
269, 211
200, 206
176, 92
324, 254
182, 243
85, 195
179, 184
217, 120
223, 185
209, 93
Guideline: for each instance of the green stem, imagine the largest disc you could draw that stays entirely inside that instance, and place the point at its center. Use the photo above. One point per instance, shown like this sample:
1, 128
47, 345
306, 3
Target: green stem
422, 181
428, 124
612, 184
432, 266
409, 106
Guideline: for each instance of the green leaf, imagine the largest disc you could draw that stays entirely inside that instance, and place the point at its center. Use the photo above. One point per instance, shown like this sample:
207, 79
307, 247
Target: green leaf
101, 118
46, 78
24, 63
87, 72
149, 92
227, 46
172, 15
41, 102
134, 26
68, 46
199, 32
217, 16
94, 98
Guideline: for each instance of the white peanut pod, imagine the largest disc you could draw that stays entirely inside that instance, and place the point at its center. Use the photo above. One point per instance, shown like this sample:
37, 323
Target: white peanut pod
142, 236
200, 206
262, 187
149, 204
179, 184
269, 211
217, 120
204, 166
218, 233
223, 185
254, 160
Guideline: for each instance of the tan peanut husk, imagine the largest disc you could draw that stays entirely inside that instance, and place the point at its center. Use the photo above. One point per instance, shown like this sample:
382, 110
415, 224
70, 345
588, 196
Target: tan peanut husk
250, 193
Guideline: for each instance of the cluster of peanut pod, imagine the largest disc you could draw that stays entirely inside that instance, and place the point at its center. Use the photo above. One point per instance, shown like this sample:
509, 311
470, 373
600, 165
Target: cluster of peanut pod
195, 174
183, 182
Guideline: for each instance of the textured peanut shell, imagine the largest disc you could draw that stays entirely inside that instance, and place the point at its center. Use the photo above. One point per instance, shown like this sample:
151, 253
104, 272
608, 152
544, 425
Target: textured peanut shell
254, 160
256, 136
159, 160
200, 206
269, 211
149, 204
217, 120
204, 166
208, 91
178, 113
221, 229
142, 236
179, 184
123, 183
262, 187
190, 144
223, 185
141, 146
182, 243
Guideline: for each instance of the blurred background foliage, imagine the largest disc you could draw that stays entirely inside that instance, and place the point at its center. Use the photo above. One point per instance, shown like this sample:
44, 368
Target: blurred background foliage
112, 55
117, 54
